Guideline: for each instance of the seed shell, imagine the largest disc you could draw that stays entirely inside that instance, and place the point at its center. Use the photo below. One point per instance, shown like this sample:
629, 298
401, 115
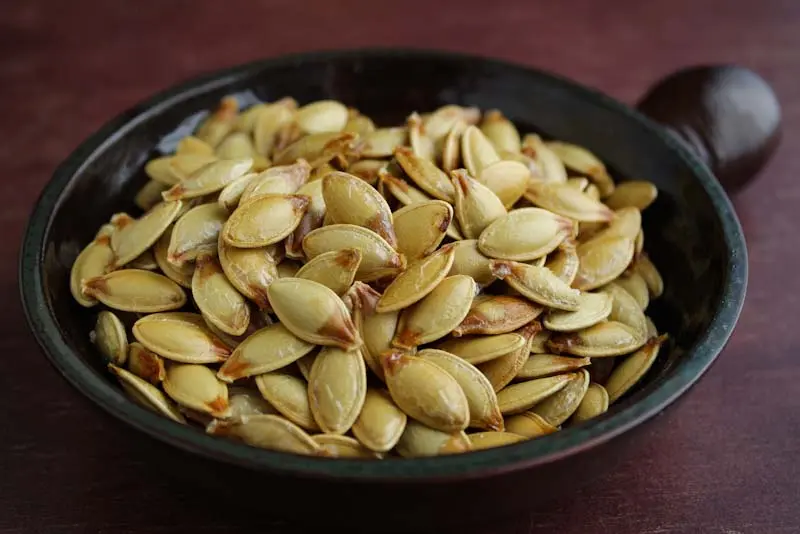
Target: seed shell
497, 314
559, 406
380, 423
217, 299
335, 269
521, 397
145, 394
476, 205
501, 371
540, 365
93, 261
479, 349
631, 370
538, 284
267, 432
635, 193
268, 349
196, 387
137, 235
593, 308
602, 260
425, 174
567, 201
416, 282
288, 394
209, 179
350, 200
420, 440
605, 339
488, 440
421, 227
469, 261
337, 388
594, 404
145, 363
181, 337
249, 270
524, 234
529, 424
110, 338
135, 290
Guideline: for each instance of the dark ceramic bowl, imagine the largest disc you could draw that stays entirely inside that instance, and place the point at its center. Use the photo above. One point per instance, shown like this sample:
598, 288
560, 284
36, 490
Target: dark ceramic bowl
692, 235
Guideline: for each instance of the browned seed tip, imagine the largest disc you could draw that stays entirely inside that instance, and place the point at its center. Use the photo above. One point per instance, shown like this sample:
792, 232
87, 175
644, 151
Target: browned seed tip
383, 227
299, 202
444, 222
406, 339
559, 343
500, 268
104, 239
455, 445
341, 332
459, 179
218, 407
121, 220
174, 193
493, 115
348, 258
94, 286
403, 152
393, 361
233, 369
495, 421
530, 329
219, 348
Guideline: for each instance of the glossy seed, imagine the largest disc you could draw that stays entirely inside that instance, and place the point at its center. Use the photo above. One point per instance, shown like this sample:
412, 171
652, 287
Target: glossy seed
506, 179
483, 409
627, 223
110, 338
378, 258
422, 145
540, 365
592, 308
382, 142
529, 424
578, 182
477, 151
322, 116
425, 391
193, 145
245, 402
145, 363
220, 122
521, 397
400, 189
145, 394
196, 387
610, 338
489, 440
196, 233
180, 337
416, 282
137, 235
551, 168
268, 122
335, 270
350, 200
441, 121
380, 423
567, 201
313, 146
500, 131
267, 432
367, 170
359, 124
501, 371
288, 394
479, 349
93, 261
537, 284
469, 261
237, 145
160, 170
581, 160
539, 342
313, 313
149, 195
145, 261
421, 227
182, 166
564, 262
635, 193
594, 404
268, 349
217, 299
336, 389
312, 219
181, 275
558, 407
602, 260
376, 329
634, 284
631, 370
626, 310
249, 270
419, 440
437, 314
135, 290
524, 234
649, 273
476, 205
425, 174
497, 314
280, 180
209, 179
264, 220
451, 147
337, 446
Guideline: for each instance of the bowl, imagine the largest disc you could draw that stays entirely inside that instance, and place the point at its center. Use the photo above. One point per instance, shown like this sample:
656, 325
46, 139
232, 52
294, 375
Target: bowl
692, 235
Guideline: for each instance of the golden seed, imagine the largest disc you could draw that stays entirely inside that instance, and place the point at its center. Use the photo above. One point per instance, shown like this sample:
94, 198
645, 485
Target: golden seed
524, 234
322, 116
209, 179
631, 370
476, 205
181, 337
416, 282
469, 261
540, 365
249, 270
477, 151
380, 423
93, 261
268, 349
497, 314
602, 260
419, 440
425, 174
488, 440
335, 269
500, 131
110, 338
135, 290
501, 371
196, 387
337, 388
610, 338
559, 406
146, 394
196, 233
245, 401
421, 227
220, 122
479, 349
592, 308
336, 446
134, 236
288, 394
264, 220
267, 432
507, 179
635, 193
581, 160
350, 200
551, 169
521, 397
594, 404
145, 363
538, 284
567, 201
149, 195
529, 424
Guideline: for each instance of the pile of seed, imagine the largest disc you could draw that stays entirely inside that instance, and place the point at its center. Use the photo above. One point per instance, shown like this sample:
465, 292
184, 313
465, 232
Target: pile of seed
303, 281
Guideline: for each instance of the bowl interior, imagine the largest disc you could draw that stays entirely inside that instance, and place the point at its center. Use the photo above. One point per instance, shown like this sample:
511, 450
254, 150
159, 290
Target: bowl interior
691, 233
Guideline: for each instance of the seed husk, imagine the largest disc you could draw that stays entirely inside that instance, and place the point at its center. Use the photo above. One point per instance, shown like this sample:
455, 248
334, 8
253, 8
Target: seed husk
594, 403
479, 349
539, 342
507, 179
564, 262
441, 121
268, 349
401, 189
501, 371
425, 391
209, 178
288, 394
425, 174
500, 131
488, 440
380, 423
181, 337
421, 227
523, 396
567, 201
244, 401
337, 388
635, 193
551, 169
193, 145
184, 165
134, 236
268, 123
634, 284
238, 145
627, 222
267, 432
593, 308
350, 200
419, 440
382, 142
422, 145
336, 446
313, 313
312, 219
416, 282
313, 146
145, 363
649, 273
626, 310
149, 195
249, 270
477, 151
581, 160
437, 314
376, 329
538, 284
145, 394
469, 261
217, 299
181, 275
220, 122
196, 233
631, 370
540, 365
602, 260
135, 290
145, 261
93, 261
335, 269
196, 387
481, 398
378, 258
476, 205
359, 124
451, 147
280, 180
367, 170
264, 220
160, 170
110, 338
610, 338
559, 406
497, 314
524, 234
322, 116
529, 424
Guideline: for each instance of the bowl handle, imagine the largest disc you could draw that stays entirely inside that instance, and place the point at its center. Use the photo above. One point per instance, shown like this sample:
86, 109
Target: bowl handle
727, 115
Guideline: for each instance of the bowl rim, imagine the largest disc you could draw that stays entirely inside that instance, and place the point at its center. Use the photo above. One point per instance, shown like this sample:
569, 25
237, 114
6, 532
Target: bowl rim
44, 326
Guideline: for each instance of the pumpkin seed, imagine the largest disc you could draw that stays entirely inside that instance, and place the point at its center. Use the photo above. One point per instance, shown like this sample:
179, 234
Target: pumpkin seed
479, 349
421, 227
144, 261
149, 195
376, 329
336, 389
451, 147
501, 371
626, 310
267, 432
193, 145
268, 349
477, 151
635, 285
476, 205
497, 314
245, 401
237, 145
196, 233
145, 364
610, 338
564, 262
469, 261
181, 337
335, 269
209, 179
382, 142
524, 234
602, 260
420, 440
635, 193
627, 222
220, 122
322, 116
380, 423
523, 396
425, 391
378, 258
313, 313
644, 267
567, 201
249, 270
336, 446
537, 284
437, 314
425, 174
483, 409
539, 342
264, 220
137, 235
110, 338
314, 146
181, 275
551, 169
415, 283
312, 219
196, 387
350, 200
578, 182
288, 394
529, 424
421, 145
594, 403
400, 189
93, 261
359, 124
145, 394
559, 406
281, 180
135, 290
441, 121
500, 131
488, 440
507, 179
592, 308
217, 299
540, 365
367, 170
581, 160
600, 369
631, 370
160, 170
182, 166
268, 123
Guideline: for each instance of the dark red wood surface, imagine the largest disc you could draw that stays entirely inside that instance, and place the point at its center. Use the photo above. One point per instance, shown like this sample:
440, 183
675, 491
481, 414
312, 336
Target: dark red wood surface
724, 461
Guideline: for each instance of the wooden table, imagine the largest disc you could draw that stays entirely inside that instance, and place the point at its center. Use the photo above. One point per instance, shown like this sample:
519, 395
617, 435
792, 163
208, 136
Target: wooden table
724, 461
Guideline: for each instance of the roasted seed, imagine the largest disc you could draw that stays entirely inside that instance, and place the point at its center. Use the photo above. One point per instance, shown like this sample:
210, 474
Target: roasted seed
217, 299
93, 261
145, 363
135, 290
336, 446
337, 388
594, 403
476, 205
350, 200
635, 193
145, 394
134, 236
540, 365
196, 233
376, 329
524, 234
196, 387
610, 338
469, 261
488, 440
220, 122
537, 284
520, 397
564, 262
335, 269
322, 116
500, 131
288, 394
312, 219
501, 371
149, 195
425, 174
110, 338
249, 270
581, 160
421, 144
567, 201
180, 337
416, 282
245, 401
479, 349
592, 308
420, 440
507, 179
421, 227
529, 424
634, 284
551, 169
264, 220
559, 406
209, 179
497, 314
382, 142
631, 370
380, 423
645, 268
268, 432
602, 260
477, 151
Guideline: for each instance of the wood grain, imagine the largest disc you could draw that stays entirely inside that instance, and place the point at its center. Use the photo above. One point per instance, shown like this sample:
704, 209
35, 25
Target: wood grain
723, 461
